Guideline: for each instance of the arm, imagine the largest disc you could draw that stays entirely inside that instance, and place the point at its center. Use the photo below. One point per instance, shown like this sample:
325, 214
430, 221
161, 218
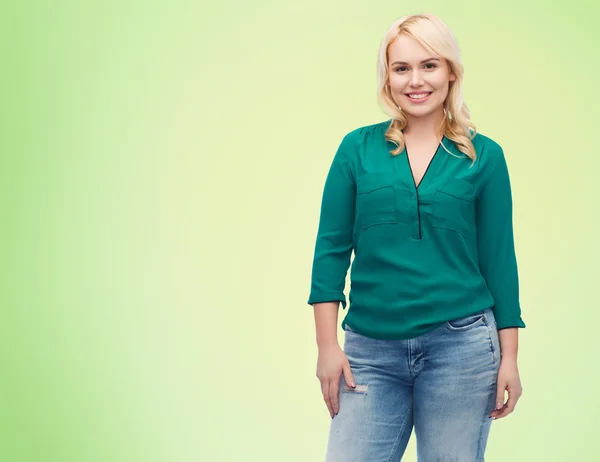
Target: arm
334, 244
495, 246
498, 265
509, 343
326, 317
333, 249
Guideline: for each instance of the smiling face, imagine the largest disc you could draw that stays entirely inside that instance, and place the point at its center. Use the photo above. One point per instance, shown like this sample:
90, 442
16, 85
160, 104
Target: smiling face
418, 81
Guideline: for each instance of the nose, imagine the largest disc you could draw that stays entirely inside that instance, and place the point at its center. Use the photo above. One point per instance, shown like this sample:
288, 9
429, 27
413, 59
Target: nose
416, 79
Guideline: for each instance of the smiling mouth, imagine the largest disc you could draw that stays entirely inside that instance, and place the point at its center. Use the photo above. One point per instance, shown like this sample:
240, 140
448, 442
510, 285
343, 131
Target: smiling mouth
418, 95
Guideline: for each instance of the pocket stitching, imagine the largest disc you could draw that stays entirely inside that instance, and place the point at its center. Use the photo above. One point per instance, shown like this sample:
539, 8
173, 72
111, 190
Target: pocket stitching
369, 182
457, 188
387, 221
444, 222
375, 181
363, 188
454, 194
480, 320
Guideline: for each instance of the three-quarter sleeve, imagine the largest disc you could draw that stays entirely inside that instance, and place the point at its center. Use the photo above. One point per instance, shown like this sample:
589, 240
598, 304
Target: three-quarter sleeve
334, 242
495, 242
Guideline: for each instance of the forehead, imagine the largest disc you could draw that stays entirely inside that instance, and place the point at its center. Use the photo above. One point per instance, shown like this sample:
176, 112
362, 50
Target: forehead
405, 48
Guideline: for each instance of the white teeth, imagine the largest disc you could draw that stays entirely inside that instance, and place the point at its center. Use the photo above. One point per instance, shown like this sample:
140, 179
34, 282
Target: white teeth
420, 96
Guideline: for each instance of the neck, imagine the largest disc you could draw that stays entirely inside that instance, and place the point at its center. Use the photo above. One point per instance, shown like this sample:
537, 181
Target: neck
425, 127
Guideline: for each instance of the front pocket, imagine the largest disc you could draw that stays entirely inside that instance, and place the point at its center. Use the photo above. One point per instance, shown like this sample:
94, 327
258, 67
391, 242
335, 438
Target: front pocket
376, 199
466, 322
453, 206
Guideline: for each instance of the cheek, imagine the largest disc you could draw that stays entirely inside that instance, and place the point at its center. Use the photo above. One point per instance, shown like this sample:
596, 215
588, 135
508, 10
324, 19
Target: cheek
397, 82
440, 82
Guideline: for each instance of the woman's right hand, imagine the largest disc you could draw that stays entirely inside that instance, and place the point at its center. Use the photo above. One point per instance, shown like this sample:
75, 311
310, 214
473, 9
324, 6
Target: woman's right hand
332, 362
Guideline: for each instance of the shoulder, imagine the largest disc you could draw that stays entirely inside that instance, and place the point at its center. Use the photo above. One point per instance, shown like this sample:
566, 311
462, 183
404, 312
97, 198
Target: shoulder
365, 133
490, 155
358, 139
491, 159
354, 140
487, 149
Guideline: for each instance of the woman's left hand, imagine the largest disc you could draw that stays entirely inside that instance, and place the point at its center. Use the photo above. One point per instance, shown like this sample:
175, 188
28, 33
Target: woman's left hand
508, 380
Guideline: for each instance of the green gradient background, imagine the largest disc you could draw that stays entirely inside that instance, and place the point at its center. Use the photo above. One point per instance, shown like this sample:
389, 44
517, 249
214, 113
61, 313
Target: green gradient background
162, 167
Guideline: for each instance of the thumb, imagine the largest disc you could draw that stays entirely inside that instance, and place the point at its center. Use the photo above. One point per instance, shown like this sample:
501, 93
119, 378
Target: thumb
348, 375
500, 397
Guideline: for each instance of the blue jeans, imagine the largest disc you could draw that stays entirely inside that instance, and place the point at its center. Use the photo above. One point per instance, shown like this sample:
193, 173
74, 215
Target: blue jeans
443, 383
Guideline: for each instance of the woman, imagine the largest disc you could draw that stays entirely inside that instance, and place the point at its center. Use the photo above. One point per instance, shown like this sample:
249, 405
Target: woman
424, 201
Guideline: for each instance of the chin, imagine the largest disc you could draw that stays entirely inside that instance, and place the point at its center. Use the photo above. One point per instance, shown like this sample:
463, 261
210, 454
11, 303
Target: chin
422, 113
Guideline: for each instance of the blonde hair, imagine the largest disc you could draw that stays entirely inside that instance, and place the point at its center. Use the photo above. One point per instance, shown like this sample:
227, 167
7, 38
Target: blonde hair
437, 38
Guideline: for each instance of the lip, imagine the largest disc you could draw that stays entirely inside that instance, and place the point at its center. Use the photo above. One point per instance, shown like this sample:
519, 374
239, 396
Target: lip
421, 100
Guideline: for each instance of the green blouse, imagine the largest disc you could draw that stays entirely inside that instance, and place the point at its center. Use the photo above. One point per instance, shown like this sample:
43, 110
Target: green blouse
422, 255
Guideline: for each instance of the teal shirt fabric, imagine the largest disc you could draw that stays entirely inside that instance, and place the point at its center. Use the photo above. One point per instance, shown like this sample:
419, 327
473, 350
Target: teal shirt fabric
422, 256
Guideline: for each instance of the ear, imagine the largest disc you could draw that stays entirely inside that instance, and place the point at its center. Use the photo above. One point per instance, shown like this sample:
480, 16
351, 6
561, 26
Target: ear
452, 78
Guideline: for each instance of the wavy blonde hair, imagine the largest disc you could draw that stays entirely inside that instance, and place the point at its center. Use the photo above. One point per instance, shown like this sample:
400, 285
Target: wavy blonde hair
437, 38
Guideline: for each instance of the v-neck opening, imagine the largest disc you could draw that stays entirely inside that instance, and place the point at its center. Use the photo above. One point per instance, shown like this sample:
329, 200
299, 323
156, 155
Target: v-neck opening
426, 170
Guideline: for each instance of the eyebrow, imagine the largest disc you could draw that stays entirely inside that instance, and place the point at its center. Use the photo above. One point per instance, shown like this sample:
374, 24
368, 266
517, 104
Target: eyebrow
422, 62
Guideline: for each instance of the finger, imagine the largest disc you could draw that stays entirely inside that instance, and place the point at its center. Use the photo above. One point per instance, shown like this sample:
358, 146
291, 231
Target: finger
500, 396
509, 407
499, 399
498, 414
325, 390
497, 409
334, 386
348, 377
503, 412
510, 404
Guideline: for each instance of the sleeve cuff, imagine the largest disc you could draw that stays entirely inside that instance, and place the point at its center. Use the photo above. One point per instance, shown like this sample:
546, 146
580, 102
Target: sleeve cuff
506, 323
327, 297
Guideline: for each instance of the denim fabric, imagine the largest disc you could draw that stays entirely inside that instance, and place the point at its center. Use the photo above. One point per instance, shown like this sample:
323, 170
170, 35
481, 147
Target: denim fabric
442, 384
